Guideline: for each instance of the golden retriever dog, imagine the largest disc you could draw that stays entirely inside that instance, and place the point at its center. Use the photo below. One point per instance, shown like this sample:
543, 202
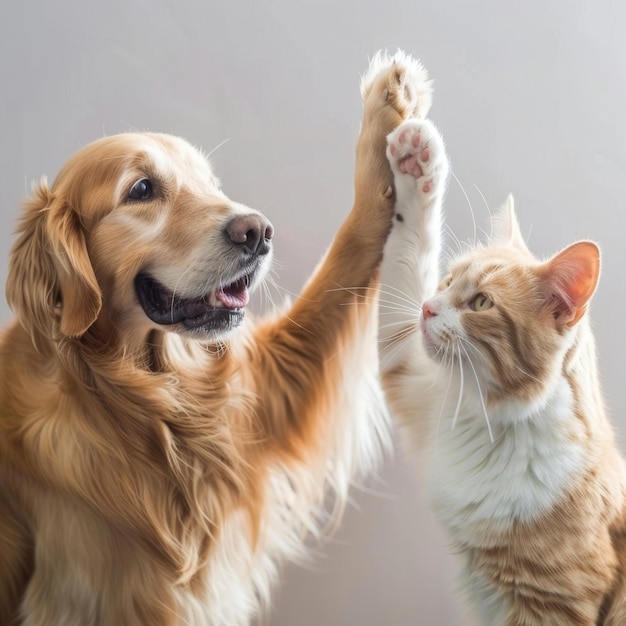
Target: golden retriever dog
160, 454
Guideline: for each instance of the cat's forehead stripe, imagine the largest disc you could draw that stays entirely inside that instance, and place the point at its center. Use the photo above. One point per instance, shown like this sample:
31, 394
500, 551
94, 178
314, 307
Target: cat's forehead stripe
482, 268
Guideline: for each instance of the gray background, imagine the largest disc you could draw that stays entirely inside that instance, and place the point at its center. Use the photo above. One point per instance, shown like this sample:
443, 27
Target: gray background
530, 97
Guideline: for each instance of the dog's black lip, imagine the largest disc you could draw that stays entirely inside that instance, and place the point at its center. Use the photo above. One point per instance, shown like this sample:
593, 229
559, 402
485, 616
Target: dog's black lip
164, 308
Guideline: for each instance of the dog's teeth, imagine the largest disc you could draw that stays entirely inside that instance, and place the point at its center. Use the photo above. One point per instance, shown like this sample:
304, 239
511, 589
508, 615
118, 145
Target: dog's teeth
213, 301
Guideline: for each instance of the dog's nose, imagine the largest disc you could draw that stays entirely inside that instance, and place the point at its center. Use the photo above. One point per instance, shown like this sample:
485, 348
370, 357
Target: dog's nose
251, 232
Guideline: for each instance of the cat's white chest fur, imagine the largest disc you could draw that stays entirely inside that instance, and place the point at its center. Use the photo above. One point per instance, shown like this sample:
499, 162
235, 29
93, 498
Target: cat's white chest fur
532, 460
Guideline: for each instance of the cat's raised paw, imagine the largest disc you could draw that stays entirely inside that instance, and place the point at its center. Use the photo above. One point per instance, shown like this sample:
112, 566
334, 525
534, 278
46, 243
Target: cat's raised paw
416, 153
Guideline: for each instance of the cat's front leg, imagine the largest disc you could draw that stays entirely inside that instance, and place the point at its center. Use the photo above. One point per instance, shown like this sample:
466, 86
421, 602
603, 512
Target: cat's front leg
410, 270
410, 273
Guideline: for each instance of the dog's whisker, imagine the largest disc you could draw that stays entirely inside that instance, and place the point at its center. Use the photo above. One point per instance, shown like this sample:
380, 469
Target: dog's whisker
217, 147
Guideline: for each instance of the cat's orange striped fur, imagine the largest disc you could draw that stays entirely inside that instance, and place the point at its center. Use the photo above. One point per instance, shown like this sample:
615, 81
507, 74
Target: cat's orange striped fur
157, 463
494, 372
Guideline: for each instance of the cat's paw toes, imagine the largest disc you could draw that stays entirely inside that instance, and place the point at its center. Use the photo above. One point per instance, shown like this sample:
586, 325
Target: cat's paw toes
415, 149
399, 81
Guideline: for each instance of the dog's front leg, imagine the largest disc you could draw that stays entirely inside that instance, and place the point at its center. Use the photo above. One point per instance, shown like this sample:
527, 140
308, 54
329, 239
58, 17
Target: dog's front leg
300, 360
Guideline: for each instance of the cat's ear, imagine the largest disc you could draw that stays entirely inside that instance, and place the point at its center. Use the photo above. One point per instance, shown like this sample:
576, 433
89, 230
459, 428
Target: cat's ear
505, 228
570, 279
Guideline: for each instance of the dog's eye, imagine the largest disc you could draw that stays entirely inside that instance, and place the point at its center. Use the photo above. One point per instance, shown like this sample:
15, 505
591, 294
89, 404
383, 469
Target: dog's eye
141, 190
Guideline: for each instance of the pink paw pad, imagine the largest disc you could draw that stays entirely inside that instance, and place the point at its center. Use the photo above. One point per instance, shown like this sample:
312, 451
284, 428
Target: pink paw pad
409, 140
409, 165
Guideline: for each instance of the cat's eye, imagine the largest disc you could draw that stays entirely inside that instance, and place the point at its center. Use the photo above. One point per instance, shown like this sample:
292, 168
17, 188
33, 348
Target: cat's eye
480, 302
141, 191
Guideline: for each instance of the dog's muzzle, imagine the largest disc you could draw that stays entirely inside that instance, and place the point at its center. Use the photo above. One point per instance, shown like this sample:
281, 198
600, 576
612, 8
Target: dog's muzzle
219, 309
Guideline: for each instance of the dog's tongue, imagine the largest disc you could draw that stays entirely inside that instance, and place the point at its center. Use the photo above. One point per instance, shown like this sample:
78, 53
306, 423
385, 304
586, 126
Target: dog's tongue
234, 296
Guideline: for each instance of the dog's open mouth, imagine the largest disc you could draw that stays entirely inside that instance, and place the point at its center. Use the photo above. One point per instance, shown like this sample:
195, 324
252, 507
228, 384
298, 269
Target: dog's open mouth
221, 309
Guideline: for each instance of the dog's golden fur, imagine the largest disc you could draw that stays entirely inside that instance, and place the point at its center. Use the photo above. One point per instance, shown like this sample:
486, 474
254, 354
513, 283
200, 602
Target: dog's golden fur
147, 477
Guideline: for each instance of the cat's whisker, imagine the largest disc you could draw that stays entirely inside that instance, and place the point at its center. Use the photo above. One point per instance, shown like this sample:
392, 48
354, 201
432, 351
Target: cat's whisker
405, 316
480, 193
447, 361
356, 291
399, 295
480, 393
397, 299
410, 315
475, 348
461, 385
401, 307
484, 357
469, 204
407, 327
456, 240
446, 365
391, 289
488, 235
392, 347
362, 294
390, 353
448, 258
404, 302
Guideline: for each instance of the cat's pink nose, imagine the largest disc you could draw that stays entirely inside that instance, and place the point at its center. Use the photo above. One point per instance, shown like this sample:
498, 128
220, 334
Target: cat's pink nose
428, 310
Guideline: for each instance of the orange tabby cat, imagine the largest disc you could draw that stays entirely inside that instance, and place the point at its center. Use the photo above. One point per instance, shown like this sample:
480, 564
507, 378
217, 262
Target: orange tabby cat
498, 364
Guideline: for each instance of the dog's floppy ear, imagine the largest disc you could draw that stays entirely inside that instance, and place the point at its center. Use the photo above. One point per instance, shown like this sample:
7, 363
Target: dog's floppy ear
51, 281
81, 298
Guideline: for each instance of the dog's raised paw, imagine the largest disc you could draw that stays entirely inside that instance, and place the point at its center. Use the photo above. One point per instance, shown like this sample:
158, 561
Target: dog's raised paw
400, 80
